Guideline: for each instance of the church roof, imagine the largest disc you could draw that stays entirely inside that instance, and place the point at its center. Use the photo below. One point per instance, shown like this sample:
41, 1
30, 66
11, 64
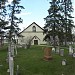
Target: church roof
32, 24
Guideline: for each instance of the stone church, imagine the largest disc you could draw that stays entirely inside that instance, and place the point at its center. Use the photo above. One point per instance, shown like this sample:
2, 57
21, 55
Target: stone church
33, 33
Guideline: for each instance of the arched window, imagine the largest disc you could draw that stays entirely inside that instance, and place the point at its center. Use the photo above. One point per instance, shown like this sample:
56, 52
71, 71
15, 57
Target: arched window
34, 29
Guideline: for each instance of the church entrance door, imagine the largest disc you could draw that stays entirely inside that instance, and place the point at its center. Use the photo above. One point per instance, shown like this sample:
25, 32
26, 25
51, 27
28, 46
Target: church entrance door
35, 42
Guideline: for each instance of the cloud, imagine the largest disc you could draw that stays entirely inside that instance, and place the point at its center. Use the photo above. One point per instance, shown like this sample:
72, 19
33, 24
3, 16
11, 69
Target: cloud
24, 14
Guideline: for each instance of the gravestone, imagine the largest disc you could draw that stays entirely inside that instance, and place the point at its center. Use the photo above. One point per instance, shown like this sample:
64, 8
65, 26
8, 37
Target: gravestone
47, 54
70, 50
51, 41
15, 50
17, 72
73, 50
11, 66
61, 52
57, 40
12, 50
62, 74
57, 50
74, 55
8, 70
64, 62
53, 49
1, 65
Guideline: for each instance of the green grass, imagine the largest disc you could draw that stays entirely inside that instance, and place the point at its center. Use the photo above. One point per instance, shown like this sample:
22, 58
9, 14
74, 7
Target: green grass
31, 62
3, 56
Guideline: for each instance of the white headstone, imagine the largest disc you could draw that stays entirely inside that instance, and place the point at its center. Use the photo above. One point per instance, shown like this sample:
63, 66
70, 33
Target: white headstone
15, 49
17, 72
74, 55
8, 70
53, 49
62, 74
70, 50
64, 62
57, 40
11, 66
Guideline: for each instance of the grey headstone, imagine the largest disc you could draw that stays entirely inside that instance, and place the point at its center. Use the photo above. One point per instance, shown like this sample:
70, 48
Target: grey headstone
61, 52
70, 50
12, 50
57, 50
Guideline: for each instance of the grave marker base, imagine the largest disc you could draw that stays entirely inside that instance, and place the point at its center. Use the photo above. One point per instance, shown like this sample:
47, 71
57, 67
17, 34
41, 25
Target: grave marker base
47, 58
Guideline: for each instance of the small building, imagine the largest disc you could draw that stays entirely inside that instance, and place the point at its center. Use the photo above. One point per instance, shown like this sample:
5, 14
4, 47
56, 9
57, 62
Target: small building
33, 33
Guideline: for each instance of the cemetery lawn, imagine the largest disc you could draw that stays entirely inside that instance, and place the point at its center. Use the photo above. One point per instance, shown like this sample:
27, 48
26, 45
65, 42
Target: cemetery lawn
31, 62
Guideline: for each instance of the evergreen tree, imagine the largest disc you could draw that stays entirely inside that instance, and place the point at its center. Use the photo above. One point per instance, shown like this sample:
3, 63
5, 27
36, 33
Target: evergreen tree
53, 20
59, 21
2, 19
14, 8
67, 21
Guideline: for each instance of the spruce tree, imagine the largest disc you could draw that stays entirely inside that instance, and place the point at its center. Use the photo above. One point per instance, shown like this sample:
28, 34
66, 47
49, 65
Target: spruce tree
68, 23
53, 20
2, 20
13, 9
59, 21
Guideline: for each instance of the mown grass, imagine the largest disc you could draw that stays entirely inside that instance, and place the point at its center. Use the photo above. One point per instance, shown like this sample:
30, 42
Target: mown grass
31, 62
3, 64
